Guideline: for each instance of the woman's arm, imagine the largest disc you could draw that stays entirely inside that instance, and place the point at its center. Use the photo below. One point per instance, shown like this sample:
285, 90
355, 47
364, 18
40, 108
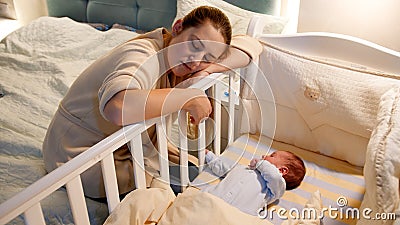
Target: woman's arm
242, 50
236, 59
131, 106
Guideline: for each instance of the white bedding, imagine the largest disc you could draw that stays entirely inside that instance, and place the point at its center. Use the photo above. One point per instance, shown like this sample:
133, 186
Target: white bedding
37, 65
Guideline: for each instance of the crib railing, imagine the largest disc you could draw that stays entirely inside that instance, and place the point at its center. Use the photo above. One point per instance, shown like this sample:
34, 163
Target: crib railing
27, 202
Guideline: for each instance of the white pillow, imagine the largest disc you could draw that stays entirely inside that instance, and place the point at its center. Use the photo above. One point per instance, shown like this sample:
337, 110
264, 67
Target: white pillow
238, 17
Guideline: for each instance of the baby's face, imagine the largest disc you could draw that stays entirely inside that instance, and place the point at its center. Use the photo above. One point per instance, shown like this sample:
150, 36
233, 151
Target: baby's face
278, 158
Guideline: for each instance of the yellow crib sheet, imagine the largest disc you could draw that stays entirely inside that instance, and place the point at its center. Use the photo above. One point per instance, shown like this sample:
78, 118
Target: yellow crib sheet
341, 185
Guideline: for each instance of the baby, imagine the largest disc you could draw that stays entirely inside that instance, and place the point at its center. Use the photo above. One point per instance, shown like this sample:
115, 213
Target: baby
252, 187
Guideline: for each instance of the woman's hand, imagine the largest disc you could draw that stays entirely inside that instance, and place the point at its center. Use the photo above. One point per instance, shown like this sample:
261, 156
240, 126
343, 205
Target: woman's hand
199, 108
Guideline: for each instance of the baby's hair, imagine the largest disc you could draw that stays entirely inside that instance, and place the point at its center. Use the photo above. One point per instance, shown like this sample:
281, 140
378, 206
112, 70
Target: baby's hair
296, 173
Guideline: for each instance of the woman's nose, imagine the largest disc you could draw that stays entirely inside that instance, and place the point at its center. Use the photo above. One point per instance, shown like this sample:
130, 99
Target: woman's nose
194, 60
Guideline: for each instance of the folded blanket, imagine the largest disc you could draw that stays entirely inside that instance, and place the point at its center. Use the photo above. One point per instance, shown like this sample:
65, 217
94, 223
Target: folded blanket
196, 207
143, 206
159, 206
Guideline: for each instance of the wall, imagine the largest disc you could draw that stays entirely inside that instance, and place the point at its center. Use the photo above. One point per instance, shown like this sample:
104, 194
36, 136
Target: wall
372, 20
28, 10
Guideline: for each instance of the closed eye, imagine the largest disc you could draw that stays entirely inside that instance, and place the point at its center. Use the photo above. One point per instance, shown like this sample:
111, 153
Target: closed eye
196, 43
209, 58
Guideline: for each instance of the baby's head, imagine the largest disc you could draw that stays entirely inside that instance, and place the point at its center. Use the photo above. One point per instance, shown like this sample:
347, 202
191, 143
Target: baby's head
290, 166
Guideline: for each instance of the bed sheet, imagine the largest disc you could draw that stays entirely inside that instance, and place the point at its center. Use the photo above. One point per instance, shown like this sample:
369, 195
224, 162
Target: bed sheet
340, 184
38, 63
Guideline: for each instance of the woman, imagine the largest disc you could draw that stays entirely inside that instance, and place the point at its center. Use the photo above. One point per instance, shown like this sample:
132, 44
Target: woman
139, 80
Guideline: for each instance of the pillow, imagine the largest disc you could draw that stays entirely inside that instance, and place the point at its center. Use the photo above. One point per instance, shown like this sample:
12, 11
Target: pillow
382, 165
238, 17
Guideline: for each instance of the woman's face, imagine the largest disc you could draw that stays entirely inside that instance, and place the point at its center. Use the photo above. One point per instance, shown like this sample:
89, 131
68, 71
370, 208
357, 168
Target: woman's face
194, 48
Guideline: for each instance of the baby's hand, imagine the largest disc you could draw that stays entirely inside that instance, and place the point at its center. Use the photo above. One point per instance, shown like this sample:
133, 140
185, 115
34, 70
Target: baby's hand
253, 164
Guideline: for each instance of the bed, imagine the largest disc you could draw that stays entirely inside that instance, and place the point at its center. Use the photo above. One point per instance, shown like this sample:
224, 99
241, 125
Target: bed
336, 108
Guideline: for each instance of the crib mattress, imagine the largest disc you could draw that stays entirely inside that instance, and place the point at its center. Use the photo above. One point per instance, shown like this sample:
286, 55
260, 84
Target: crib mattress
340, 184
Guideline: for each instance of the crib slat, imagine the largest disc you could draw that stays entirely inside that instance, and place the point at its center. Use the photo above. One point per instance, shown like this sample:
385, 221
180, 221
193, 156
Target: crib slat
231, 115
34, 215
138, 161
168, 120
163, 149
202, 145
77, 201
183, 144
217, 118
110, 182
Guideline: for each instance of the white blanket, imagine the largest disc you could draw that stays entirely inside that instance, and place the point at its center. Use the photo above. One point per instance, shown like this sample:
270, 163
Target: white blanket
38, 63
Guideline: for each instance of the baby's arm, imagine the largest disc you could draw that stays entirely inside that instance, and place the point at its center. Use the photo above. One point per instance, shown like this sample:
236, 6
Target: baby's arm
219, 166
275, 182
253, 163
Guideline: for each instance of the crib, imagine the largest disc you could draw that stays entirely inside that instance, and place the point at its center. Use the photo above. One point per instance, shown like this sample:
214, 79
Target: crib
351, 137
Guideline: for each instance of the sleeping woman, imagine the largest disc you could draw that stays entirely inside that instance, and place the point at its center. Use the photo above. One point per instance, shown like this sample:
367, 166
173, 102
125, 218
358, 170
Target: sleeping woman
143, 78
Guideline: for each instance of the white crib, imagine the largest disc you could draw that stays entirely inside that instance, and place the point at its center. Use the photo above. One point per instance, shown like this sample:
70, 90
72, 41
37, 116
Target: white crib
334, 47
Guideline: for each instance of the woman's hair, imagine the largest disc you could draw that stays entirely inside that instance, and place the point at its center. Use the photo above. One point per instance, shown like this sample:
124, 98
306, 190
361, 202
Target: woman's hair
216, 17
296, 173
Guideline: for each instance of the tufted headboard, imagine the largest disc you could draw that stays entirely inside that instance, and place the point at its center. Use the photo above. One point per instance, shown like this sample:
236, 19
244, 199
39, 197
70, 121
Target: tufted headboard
141, 14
